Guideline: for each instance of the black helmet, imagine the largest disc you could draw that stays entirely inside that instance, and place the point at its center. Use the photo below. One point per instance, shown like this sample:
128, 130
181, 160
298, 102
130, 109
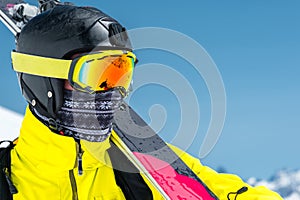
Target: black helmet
60, 33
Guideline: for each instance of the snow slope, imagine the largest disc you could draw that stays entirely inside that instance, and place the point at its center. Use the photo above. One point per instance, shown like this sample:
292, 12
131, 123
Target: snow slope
285, 182
10, 123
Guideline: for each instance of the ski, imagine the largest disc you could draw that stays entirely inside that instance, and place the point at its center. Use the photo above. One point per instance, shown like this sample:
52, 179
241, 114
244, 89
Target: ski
14, 14
6, 15
155, 159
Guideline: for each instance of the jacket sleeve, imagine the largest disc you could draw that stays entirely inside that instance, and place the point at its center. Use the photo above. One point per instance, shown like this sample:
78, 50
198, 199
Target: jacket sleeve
225, 186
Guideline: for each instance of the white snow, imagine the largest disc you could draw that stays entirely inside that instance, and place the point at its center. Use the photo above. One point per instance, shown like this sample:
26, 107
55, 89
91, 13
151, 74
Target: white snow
10, 123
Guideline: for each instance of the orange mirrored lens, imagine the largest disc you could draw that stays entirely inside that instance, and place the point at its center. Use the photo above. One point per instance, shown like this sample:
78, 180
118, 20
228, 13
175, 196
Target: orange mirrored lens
105, 73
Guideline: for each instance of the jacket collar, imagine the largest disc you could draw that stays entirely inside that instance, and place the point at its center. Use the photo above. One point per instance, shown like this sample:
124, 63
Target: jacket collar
38, 142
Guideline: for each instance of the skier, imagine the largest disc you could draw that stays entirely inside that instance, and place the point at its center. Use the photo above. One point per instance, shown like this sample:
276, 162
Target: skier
63, 147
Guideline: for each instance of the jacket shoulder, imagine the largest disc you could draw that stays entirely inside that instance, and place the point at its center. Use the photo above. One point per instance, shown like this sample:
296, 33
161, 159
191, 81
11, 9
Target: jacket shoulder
224, 185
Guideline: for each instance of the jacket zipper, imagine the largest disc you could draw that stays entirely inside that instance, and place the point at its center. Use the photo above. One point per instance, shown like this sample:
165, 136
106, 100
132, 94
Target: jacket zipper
73, 185
79, 154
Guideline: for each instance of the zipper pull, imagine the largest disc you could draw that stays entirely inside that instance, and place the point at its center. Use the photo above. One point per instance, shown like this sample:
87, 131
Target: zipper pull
240, 191
79, 157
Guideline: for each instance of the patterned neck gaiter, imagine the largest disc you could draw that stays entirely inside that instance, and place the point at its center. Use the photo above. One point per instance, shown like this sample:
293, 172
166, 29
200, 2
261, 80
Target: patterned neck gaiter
89, 116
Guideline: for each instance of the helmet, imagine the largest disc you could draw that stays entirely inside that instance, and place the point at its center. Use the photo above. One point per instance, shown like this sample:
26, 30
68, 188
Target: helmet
60, 33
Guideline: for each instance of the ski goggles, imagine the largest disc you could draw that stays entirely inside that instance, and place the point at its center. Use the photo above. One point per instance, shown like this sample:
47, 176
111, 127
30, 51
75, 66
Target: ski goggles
88, 72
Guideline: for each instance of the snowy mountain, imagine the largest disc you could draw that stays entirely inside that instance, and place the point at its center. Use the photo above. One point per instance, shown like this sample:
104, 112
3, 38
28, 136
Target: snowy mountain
285, 182
10, 123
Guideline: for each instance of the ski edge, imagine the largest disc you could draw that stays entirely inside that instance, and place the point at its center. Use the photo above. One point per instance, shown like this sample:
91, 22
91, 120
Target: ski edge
9, 23
132, 158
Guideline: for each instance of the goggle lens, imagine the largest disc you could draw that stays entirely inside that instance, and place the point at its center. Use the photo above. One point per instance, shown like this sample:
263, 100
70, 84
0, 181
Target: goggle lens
103, 73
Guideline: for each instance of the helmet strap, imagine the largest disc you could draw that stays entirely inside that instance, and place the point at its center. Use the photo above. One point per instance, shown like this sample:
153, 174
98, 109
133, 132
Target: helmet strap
50, 123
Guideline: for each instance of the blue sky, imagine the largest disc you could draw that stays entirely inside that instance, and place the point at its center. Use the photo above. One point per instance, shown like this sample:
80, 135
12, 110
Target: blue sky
255, 45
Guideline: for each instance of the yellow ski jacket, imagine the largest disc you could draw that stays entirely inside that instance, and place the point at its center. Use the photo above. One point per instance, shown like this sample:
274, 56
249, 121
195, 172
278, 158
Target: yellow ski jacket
44, 167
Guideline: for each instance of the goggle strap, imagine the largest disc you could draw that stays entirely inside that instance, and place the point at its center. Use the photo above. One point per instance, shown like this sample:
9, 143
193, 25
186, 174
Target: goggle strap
35, 65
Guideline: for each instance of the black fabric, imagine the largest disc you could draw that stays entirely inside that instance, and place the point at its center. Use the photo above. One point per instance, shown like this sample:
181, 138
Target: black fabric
6, 186
128, 177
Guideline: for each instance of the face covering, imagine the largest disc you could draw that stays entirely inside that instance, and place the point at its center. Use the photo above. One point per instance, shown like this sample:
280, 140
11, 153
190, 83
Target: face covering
89, 116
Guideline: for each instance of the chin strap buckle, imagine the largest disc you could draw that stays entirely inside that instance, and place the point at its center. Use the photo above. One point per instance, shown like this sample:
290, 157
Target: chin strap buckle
52, 124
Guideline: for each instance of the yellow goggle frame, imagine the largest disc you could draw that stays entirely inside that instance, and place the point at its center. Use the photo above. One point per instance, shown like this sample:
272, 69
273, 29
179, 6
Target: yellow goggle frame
88, 72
